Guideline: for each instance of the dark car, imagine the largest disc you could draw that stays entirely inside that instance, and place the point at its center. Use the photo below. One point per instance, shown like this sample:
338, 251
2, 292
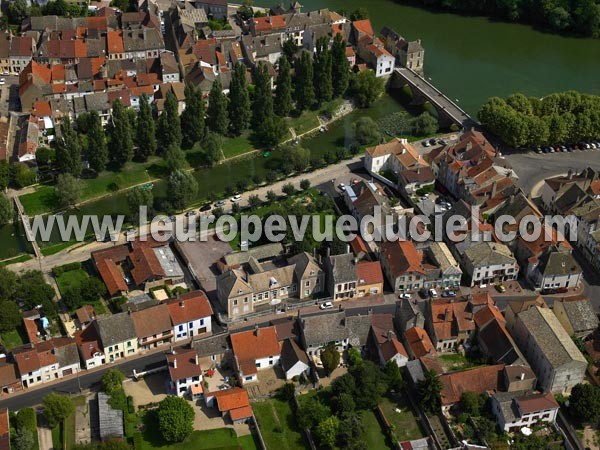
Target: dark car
432, 141
206, 207
440, 200
548, 291
448, 294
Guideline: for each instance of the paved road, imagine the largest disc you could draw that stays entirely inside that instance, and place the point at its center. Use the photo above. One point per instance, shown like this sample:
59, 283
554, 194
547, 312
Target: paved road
86, 379
533, 167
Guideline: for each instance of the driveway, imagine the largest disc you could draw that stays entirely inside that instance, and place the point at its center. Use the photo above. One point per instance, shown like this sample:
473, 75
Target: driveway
44, 434
150, 389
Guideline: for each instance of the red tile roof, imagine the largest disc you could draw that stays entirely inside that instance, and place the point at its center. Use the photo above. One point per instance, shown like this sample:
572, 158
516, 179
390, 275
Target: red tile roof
486, 314
248, 346
4, 430
240, 413
363, 26
402, 257
114, 42
479, 380
42, 109
537, 402
369, 273
88, 342
187, 363
146, 265
419, 342
31, 329
229, 399
152, 321
112, 276
189, 307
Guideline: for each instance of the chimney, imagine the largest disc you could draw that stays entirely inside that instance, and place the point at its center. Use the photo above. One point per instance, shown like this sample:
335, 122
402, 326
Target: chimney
570, 174
347, 248
390, 335
522, 376
494, 188
256, 330
182, 304
174, 363
197, 360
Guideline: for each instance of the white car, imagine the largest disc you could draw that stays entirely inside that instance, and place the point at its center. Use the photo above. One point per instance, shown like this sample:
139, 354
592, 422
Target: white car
432, 293
326, 305
404, 296
341, 186
236, 198
2, 81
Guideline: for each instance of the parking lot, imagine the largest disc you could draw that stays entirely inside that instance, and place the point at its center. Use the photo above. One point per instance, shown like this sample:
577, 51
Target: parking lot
9, 94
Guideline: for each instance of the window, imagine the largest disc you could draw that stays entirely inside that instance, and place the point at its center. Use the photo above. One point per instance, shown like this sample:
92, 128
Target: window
129, 344
307, 283
191, 324
235, 302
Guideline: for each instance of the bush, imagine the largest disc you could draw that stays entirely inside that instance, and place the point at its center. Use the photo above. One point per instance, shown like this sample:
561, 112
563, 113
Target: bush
130, 405
59, 270
304, 184
137, 441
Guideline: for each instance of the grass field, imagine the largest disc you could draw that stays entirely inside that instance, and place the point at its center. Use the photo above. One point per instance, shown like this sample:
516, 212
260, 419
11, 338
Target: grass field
405, 423
18, 259
236, 146
74, 278
43, 200
11, 339
373, 434
305, 122
277, 425
456, 361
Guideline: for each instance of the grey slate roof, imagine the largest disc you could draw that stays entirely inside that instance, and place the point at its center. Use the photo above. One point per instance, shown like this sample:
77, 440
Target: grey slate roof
550, 336
211, 345
358, 329
324, 328
291, 354
67, 355
111, 420
489, 254
555, 262
115, 329
581, 314
343, 268
261, 252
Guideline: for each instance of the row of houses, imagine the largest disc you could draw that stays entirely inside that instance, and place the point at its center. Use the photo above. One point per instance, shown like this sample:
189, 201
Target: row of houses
105, 340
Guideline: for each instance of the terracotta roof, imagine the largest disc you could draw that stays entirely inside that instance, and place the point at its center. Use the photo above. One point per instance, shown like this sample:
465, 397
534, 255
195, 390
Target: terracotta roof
85, 314
391, 348
187, 365
31, 329
8, 373
249, 346
88, 342
358, 246
188, 307
486, 314
4, 430
363, 26
369, 273
240, 413
402, 257
479, 380
419, 342
41, 109
97, 23
114, 42
537, 402
229, 399
112, 276
451, 317
145, 265
152, 321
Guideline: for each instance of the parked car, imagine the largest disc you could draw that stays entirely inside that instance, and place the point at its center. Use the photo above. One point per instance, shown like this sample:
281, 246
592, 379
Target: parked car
432, 292
440, 200
432, 141
404, 296
206, 207
220, 203
2, 81
236, 198
341, 186
500, 287
562, 290
448, 294
425, 144
190, 213
326, 305
442, 142
548, 291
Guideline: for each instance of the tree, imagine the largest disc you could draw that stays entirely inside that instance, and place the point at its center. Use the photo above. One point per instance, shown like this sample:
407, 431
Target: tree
304, 184
354, 357
359, 14
343, 404
68, 190
175, 158
366, 88
169, 125
245, 11
57, 408
8, 283
322, 73
17, 12
289, 49
254, 201
92, 289
311, 412
370, 384
262, 105
365, 130
559, 19
330, 358
68, 149
271, 196
283, 91
393, 375
21, 175
137, 197
97, 149
470, 403
327, 430
112, 381
425, 125
288, 189
192, 117
119, 136
340, 67
175, 418
10, 317
304, 92
212, 148
23, 440
181, 189
216, 112
145, 136
584, 402
4, 174
429, 390
239, 101
271, 131
33, 290
6, 209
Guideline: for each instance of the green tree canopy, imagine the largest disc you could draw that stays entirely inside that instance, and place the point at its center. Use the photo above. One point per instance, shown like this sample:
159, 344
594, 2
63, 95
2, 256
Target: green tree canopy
97, 148
68, 149
326, 432
213, 144
57, 408
137, 197
145, 136
169, 125
68, 190
119, 136
366, 88
584, 402
304, 91
175, 418
330, 358
322, 74
112, 380
6, 209
340, 68
366, 131
283, 91
218, 120
10, 317
181, 189
429, 390
8, 283
192, 117
262, 104
239, 101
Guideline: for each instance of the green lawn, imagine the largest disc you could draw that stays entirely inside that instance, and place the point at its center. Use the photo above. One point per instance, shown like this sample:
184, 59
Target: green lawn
406, 426
373, 434
43, 200
18, 259
277, 425
236, 146
305, 122
70, 279
53, 249
456, 361
11, 339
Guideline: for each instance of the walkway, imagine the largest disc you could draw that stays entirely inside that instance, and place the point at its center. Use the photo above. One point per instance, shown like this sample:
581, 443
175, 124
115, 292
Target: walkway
44, 435
25, 219
437, 98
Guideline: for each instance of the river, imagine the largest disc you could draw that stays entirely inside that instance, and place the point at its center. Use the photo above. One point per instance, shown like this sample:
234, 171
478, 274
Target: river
469, 58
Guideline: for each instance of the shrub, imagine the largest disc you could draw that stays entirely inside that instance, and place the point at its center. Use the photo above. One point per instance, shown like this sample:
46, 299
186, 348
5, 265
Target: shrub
137, 441
59, 270
130, 405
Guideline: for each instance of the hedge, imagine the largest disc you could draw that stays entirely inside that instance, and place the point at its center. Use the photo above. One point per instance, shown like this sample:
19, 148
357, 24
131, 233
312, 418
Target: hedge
58, 271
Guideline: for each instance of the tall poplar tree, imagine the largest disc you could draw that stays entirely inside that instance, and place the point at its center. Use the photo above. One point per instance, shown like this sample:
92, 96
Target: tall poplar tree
192, 117
218, 121
283, 92
97, 150
304, 91
262, 106
119, 136
340, 67
169, 125
239, 101
322, 71
146, 131
68, 151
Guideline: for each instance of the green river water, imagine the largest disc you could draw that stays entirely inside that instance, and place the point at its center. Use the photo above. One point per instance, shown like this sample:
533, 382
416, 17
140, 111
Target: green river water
469, 58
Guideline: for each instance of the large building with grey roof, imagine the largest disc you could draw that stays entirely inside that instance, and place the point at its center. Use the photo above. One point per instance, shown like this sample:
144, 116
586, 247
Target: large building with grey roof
489, 262
576, 315
118, 336
552, 354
